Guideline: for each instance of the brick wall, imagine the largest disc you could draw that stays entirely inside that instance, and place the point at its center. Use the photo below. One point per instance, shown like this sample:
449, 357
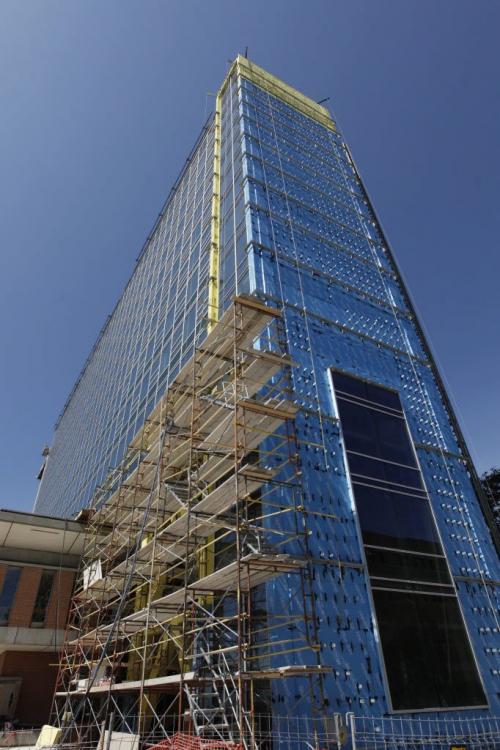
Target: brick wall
57, 610
24, 601
38, 672
36, 668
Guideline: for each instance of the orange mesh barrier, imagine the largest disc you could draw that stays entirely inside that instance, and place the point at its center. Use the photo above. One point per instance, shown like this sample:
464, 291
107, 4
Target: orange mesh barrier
183, 741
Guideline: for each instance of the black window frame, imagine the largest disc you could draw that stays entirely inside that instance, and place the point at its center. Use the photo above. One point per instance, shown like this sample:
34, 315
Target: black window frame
380, 586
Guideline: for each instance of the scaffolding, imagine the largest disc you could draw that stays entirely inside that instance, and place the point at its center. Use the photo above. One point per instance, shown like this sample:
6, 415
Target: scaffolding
171, 634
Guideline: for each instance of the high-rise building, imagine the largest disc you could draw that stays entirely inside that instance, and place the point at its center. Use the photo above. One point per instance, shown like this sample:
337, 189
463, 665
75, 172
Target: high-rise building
285, 521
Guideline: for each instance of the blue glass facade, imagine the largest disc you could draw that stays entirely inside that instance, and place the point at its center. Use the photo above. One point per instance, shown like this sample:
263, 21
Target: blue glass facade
151, 333
316, 246
297, 230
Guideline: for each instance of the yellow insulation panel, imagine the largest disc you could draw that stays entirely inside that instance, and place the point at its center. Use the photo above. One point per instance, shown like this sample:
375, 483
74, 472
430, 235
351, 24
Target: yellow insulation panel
281, 90
49, 736
213, 277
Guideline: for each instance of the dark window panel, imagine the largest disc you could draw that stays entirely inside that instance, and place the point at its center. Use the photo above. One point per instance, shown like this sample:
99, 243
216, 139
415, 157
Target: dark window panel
427, 588
358, 428
381, 484
375, 433
393, 438
43, 597
369, 391
406, 566
428, 659
347, 384
389, 519
9, 588
372, 467
383, 396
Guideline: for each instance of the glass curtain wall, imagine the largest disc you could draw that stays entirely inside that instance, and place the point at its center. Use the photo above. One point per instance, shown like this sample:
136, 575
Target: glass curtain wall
233, 265
150, 334
316, 250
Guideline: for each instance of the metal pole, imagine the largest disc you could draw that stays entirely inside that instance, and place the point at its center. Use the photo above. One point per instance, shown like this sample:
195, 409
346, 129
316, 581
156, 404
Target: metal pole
110, 730
100, 744
351, 721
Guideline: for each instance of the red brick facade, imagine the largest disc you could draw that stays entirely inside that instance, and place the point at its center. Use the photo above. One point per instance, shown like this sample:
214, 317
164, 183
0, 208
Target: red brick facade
38, 671
24, 601
37, 668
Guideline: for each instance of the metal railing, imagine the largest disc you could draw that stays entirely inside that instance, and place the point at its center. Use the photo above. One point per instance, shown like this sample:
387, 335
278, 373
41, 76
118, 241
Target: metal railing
422, 733
18, 737
340, 732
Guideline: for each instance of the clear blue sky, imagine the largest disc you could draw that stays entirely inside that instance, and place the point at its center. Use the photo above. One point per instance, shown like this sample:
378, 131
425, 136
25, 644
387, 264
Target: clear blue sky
101, 101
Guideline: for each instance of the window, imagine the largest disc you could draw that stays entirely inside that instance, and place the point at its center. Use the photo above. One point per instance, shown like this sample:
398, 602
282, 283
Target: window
428, 658
385, 471
405, 566
389, 518
9, 588
42, 598
373, 432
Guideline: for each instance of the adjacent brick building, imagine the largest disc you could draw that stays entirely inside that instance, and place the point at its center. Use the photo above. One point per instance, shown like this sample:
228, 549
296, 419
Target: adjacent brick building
38, 559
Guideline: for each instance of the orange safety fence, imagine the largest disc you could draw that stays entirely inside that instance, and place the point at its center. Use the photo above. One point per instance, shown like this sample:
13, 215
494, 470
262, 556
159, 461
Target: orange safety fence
184, 741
